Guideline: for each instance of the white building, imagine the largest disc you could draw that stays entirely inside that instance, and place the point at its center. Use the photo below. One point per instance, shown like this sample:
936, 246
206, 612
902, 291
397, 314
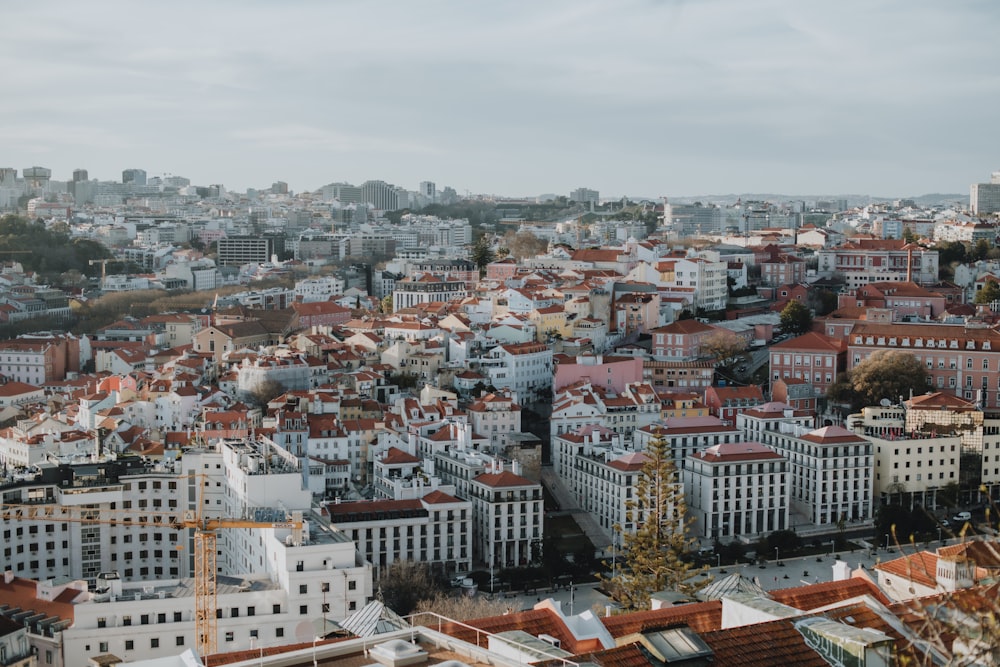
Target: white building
738, 489
524, 368
831, 472
435, 528
508, 518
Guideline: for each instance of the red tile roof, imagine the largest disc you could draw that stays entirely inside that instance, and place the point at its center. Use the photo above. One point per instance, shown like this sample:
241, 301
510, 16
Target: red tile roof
819, 595
504, 478
699, 616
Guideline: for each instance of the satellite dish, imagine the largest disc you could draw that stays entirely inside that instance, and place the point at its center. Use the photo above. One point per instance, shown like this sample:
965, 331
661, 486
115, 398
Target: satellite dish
885, 402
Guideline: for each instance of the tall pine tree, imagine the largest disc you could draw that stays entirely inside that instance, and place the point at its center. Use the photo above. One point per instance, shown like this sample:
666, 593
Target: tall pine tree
653, 554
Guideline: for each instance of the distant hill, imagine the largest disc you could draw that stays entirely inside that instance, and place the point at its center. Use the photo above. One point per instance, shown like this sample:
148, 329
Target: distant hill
852, 199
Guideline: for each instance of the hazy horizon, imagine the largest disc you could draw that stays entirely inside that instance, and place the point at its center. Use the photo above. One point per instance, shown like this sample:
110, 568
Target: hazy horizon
663, 98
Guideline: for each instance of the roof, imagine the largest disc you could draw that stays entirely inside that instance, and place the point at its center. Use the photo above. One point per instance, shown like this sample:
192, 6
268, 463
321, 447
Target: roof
919, 567
629, 462
395, 456
833, 434
812, 341
730, 452
504, 478
823, 594
699, 616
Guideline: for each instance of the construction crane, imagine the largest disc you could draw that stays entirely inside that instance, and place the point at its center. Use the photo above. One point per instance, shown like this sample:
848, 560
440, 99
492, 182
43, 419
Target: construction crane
205, 534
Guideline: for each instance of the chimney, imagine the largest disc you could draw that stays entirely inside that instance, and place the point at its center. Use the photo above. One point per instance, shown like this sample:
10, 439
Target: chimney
909, 264
8, 576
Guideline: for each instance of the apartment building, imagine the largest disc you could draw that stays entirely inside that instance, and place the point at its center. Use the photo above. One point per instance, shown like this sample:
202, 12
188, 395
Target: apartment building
681, 340
812, 357
964, 361
524, 368
830, 470
863, 261
508, 512
495, 416
737, 489
434, 529
908, 463
686, 435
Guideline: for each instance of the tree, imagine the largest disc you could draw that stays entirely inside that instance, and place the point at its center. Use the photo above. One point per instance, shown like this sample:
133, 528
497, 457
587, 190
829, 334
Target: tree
989, 293
796, 319
909, 236
265, 392
482, 254
462, 606
405, 583
981, 250
891, 374
725, 346
524, 244
655, 543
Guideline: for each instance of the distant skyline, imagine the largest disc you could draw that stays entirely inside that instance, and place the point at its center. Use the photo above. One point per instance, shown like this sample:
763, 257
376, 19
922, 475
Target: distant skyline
654, 97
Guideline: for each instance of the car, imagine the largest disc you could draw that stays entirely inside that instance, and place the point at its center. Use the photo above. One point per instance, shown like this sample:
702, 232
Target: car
962, 517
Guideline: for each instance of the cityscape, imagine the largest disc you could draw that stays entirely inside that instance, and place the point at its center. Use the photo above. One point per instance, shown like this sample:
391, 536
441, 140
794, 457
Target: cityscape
586, 333
316, 387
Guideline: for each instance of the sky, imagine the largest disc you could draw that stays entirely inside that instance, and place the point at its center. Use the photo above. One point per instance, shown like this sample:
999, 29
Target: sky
628, 97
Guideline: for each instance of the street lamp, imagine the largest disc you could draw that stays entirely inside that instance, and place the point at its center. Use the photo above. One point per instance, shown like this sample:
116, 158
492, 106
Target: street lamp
776, 556
887, 541
718, 560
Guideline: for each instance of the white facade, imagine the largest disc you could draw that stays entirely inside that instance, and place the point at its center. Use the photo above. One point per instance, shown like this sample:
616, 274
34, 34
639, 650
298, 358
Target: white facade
738, 489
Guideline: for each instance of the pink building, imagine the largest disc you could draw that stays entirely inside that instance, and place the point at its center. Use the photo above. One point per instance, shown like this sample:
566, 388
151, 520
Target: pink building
681, 339
608, 372
812, 357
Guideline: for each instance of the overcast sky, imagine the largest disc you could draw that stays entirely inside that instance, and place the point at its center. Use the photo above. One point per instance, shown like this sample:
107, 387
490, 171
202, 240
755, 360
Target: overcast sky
647, 98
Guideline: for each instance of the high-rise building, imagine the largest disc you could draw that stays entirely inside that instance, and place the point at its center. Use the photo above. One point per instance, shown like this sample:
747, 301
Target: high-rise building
135, 176
382, 195
429, 189
984, 198
585, 195
36, 178
80, 175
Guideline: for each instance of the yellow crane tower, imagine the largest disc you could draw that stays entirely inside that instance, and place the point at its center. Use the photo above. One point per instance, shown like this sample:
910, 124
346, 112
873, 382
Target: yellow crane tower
205, 533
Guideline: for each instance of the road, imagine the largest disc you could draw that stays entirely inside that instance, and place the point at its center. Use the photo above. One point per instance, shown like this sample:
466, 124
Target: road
771, 575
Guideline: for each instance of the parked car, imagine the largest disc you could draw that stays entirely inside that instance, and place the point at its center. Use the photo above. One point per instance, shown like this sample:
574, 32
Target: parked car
962, 517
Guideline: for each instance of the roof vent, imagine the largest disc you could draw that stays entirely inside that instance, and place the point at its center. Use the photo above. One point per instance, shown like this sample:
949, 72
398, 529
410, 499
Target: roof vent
398, 653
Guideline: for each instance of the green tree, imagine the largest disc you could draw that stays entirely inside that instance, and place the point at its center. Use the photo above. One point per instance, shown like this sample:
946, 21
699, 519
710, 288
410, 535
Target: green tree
980, 250
796, 319
482, 254
655, 544
909, 236
989, 293
891, 374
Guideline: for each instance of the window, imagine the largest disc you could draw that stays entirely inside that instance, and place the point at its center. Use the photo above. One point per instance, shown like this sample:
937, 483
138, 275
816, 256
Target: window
126, 620
179, 640
279, 632
229, 636
103, 647
303, 589
276, 609
251, 611
303, 609
154, 642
